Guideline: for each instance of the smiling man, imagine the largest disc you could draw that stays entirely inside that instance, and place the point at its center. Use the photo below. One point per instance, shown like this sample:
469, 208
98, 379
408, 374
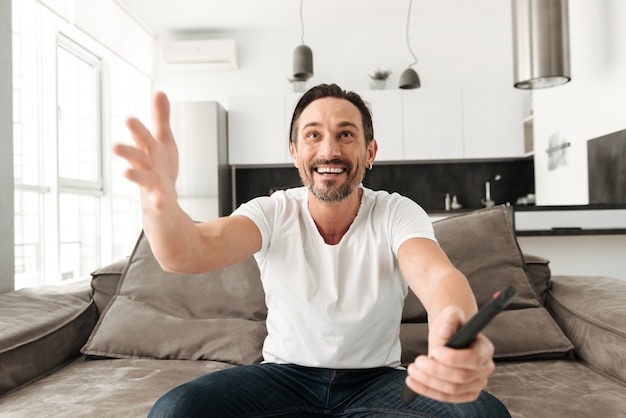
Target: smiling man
337, 162
335, 260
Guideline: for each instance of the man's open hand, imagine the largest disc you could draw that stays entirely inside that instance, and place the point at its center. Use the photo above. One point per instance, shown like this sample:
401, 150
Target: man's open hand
154, 158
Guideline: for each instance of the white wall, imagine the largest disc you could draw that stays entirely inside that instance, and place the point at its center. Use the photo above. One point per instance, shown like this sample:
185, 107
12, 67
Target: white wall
457, 43
593, 104
107, 23
584, 255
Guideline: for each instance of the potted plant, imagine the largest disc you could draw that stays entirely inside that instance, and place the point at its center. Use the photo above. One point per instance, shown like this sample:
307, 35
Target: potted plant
379, 79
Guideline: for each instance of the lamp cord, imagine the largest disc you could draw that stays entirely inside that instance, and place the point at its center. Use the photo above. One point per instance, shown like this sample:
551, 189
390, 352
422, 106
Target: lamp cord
301, 24
408, 43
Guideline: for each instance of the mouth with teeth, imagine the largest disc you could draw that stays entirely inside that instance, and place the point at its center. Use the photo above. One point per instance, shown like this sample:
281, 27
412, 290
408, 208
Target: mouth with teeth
330, 168
325, 170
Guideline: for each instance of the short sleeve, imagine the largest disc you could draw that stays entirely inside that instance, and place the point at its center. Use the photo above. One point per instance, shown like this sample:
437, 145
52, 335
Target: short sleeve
408, 220
260, 211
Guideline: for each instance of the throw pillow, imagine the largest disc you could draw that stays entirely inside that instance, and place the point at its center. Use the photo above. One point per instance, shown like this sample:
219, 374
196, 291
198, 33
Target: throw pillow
219, 315
483, 246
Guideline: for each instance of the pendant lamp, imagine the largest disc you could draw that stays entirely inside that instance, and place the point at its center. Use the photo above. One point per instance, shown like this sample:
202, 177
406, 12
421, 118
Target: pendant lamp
302, 56
409, 78
541, 43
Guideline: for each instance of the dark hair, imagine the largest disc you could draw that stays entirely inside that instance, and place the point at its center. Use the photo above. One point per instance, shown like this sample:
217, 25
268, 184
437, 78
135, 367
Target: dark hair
332, 90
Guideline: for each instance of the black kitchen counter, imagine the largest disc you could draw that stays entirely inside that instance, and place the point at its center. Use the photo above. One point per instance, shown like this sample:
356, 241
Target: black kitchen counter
523, 208
554, 231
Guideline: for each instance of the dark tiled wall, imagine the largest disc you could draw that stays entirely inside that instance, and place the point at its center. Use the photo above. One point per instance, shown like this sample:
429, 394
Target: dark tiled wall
424, 183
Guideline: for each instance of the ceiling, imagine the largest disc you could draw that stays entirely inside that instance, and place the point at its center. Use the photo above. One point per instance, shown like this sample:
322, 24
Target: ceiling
162, 16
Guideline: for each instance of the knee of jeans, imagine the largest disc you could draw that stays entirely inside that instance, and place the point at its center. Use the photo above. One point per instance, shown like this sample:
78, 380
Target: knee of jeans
173, 404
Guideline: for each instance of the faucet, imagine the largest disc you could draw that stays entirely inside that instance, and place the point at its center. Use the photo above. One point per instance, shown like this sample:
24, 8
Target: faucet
487, 200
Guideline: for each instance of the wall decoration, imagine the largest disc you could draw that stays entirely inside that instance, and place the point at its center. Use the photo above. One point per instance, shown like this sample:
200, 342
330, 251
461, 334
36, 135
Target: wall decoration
557, 151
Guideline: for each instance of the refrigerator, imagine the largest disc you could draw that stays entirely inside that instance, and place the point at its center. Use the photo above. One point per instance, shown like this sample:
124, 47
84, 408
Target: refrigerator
204, 178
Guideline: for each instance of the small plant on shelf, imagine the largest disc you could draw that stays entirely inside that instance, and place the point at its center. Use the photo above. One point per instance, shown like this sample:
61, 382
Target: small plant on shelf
380, 74
379, 78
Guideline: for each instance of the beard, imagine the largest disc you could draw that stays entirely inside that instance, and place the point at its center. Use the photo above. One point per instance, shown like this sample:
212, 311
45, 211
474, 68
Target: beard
330, 191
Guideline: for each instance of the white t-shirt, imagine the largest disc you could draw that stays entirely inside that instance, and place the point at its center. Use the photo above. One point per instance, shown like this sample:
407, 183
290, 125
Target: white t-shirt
334, 306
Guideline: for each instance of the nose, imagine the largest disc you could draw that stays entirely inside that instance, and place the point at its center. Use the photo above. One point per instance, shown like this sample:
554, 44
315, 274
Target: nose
329, 148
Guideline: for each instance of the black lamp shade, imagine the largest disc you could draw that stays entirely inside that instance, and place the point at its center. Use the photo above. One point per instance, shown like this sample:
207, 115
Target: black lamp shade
302, 63
409, 79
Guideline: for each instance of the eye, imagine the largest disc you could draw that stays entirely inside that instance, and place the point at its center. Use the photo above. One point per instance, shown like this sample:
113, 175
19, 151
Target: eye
346, 134
311, 135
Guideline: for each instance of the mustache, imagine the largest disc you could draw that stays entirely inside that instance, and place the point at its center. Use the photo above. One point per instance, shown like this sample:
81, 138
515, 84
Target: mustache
334, 161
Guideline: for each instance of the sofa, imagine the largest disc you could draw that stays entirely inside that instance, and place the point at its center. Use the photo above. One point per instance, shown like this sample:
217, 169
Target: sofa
110, 346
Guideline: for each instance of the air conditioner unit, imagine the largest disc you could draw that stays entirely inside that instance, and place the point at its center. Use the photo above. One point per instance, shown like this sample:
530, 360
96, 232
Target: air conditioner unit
200, 54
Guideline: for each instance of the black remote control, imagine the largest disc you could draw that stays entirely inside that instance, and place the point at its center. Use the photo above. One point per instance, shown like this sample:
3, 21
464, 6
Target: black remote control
467, 333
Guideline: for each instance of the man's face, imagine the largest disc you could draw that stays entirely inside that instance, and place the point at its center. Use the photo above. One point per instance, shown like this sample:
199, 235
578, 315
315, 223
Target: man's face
330, 151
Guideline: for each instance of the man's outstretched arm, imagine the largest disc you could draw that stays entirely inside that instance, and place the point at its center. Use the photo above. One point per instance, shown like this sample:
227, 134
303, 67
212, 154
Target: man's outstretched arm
445, 374
178, 243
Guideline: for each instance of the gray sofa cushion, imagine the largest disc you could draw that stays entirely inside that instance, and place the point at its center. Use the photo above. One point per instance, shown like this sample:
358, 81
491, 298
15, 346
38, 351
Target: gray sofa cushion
40, 329
483, 246
539, 272
218, 315
112, 388
593, 317
556, 389
105, 281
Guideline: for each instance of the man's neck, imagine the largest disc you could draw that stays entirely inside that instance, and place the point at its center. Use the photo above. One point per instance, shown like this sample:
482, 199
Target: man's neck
334, 219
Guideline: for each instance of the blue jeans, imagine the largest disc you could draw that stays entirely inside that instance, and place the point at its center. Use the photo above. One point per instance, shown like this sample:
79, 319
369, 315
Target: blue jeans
272, 390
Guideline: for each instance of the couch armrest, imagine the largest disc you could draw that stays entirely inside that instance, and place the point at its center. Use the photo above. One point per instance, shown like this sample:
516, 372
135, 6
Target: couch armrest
105, 281
592, 313
41, 329
538, 269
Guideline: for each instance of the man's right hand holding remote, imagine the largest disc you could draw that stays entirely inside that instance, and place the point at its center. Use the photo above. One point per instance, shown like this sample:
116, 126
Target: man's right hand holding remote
447, 374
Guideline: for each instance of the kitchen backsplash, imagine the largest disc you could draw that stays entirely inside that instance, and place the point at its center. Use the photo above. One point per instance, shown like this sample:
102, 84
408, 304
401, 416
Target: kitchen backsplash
427, 184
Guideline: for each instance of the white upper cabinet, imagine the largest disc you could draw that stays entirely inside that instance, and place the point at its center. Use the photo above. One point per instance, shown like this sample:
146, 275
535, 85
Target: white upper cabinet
429, 123
386, 108
433, 124
257, 131
493, 122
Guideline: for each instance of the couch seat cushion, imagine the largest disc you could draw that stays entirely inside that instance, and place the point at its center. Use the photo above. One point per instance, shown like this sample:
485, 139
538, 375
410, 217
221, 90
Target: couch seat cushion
103, 388
556, 388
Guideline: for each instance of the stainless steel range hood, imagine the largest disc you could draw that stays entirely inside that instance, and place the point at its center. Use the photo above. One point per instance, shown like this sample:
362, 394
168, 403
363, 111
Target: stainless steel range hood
541, 43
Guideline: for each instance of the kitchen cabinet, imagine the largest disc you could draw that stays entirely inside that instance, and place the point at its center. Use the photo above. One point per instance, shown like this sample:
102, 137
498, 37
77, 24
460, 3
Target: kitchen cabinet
430, 123
387, 115
433, 124
257, 131
493, 122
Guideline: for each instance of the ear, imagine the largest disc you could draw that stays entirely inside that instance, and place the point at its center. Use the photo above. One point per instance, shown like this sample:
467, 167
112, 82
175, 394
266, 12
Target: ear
372, 149
293, 150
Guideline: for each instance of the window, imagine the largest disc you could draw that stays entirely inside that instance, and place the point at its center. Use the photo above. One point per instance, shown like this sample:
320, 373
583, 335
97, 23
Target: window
79, 149
74, 211
78, 82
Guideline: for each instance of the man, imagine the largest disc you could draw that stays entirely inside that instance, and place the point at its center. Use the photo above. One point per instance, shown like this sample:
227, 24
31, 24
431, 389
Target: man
335, 259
